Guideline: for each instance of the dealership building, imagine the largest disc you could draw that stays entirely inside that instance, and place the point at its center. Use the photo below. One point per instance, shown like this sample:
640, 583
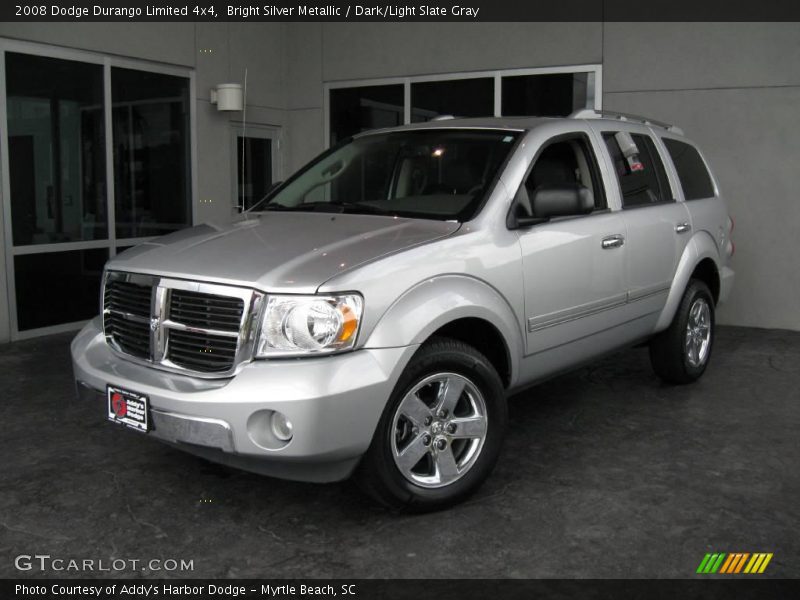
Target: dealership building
109, 135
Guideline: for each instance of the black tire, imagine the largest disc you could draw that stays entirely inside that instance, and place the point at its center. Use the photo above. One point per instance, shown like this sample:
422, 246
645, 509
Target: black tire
668, 350
379, 475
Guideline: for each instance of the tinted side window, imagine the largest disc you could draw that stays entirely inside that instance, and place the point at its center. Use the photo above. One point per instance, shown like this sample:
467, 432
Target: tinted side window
692, 172
565, 161
641, 174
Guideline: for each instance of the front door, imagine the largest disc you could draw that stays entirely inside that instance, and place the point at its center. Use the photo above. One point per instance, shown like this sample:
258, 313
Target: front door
573, 266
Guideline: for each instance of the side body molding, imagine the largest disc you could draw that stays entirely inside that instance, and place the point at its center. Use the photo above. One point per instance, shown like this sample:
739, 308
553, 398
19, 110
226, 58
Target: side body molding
701, 246
435, 302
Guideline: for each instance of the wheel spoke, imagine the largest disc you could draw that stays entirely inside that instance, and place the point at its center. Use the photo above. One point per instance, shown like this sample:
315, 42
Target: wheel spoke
449, 393
696, 310
414, 409
469, 427
408, 458
446, 467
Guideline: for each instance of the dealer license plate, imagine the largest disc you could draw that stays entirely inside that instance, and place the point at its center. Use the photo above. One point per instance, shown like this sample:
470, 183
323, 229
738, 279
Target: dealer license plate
128, 408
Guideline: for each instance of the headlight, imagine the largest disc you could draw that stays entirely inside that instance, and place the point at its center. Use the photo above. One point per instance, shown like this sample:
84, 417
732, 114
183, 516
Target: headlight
299, 325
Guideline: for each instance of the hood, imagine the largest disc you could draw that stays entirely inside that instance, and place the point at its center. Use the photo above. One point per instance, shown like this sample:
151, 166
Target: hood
279, 251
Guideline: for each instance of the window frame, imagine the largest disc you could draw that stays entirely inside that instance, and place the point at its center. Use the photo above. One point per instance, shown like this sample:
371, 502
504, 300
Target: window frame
107, 62
594, 91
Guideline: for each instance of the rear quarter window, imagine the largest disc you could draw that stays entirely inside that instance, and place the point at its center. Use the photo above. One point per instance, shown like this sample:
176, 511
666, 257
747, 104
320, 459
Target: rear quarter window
692, 172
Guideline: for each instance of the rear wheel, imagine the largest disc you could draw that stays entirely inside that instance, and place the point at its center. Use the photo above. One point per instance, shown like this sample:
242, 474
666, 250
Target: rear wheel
441, 432
680, 354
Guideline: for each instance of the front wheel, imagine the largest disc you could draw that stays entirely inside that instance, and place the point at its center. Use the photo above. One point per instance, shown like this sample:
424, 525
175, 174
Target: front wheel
680, 354
441, 432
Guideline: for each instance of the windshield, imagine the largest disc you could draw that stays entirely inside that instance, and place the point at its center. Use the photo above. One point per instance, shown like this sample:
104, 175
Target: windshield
434, 174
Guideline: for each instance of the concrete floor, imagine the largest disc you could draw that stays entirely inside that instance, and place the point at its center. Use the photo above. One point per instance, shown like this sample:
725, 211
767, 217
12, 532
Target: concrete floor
606, 473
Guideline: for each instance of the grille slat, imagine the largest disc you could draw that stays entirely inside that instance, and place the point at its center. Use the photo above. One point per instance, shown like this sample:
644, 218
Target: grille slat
198, 360
197, 351
202, 343
205, 310
215, 302
130, 336
201, 352
128, 297
192, 312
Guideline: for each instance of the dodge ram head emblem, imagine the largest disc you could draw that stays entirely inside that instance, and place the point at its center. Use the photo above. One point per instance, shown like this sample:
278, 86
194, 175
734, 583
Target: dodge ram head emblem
154, 323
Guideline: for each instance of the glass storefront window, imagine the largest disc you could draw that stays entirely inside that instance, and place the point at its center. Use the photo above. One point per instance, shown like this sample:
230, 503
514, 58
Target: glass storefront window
353, 110
152, 188
56, 150
552, 95
58, 287
509, 93
457, 97
57, 190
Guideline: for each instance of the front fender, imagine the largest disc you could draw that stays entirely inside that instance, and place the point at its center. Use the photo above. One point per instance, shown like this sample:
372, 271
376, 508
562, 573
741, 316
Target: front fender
701, 246
435, 302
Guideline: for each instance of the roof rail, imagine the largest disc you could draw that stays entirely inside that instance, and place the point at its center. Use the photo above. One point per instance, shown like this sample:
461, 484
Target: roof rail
590, 113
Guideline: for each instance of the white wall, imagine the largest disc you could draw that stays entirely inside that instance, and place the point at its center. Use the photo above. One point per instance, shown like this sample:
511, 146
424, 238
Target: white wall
735, 89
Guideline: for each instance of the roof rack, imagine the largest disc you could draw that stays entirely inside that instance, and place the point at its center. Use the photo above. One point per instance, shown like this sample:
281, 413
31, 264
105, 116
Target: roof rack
590, 113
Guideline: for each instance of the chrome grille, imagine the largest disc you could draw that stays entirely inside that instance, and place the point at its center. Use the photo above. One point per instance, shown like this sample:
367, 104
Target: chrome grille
205, 310
177, 325
201, 352
129, 297
122, 303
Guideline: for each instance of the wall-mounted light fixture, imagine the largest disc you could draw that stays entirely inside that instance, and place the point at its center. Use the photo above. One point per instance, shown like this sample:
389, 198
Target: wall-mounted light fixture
228, 96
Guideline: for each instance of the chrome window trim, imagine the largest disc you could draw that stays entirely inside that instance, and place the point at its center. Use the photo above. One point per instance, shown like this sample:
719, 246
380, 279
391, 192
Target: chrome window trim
160, 322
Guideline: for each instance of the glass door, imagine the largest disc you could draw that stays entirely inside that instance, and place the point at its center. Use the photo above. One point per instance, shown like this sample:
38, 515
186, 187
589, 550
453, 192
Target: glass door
256, 150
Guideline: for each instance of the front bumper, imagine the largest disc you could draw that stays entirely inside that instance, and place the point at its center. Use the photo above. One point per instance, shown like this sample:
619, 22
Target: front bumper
333, 402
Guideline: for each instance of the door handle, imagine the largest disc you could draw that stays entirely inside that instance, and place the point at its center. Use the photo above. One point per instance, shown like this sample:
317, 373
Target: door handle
613, 241
683, 227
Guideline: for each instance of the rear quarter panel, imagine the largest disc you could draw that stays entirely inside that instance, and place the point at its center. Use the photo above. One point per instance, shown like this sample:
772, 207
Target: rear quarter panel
710, 231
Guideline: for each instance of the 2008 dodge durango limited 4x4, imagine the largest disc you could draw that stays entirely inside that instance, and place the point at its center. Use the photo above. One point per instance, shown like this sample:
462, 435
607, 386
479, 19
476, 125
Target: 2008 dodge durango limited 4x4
372, 314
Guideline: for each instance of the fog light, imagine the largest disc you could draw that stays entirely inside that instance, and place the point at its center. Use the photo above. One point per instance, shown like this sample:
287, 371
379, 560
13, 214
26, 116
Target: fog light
281, 427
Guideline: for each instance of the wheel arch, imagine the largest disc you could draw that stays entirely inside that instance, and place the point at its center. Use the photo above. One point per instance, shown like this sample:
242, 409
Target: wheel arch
459, 307
700, 260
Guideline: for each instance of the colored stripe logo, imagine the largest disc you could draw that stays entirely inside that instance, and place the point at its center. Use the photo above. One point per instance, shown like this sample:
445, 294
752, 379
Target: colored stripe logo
734, 562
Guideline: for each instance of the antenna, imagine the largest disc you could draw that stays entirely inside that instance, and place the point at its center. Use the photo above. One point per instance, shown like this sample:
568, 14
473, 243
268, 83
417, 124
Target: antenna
242, 207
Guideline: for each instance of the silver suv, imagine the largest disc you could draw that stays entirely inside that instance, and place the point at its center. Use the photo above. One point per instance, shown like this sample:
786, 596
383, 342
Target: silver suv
372, 314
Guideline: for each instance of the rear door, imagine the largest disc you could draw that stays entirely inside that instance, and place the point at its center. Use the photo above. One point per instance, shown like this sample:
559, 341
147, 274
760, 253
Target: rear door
658, 225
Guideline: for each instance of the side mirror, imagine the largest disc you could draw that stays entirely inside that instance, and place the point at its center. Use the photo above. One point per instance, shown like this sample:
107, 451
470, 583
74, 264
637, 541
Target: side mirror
561, 200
